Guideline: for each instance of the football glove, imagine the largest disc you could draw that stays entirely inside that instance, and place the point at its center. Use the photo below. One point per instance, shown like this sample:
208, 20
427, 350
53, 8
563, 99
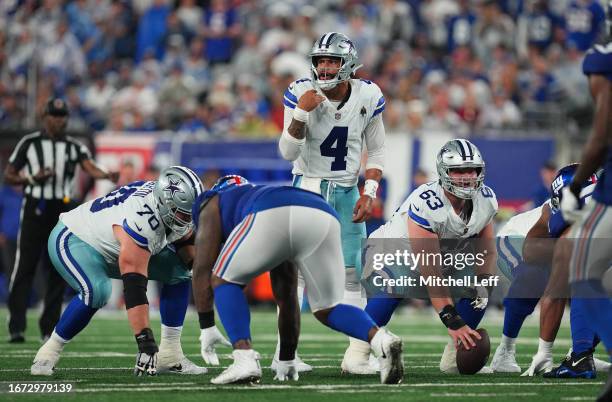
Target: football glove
146, 359
481, 300
286, 370
570, 205
542, 362
209, 337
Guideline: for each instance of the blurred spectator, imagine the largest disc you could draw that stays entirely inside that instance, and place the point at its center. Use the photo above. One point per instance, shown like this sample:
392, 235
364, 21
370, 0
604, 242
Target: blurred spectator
538, 85
64, 55
134, 102
175, 97
97, 97
248, 58
220, 29
441, 118
127, 173
151, 30
501, 113
395, 22
538, 28
196, 67
190, 15
493, 28
584, 22
461, 26
197, 121
547, 174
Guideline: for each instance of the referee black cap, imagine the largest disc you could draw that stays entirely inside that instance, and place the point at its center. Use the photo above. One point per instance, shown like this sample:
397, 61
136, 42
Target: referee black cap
56, 107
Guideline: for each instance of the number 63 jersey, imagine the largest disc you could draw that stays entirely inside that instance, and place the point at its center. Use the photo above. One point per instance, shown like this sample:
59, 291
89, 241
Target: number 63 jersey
428, 207
133, 207
335, 137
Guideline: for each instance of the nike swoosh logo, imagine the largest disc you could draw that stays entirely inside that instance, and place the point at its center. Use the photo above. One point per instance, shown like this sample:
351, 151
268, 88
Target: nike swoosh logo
138, 227
577, 362
415, 208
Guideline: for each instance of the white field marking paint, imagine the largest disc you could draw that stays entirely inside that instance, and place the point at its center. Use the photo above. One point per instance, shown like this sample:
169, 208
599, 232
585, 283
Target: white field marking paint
577, 398
482, 395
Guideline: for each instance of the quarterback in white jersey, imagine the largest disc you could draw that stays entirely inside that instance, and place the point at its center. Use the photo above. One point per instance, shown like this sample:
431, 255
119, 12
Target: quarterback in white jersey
457, 206
329, 119
124, 235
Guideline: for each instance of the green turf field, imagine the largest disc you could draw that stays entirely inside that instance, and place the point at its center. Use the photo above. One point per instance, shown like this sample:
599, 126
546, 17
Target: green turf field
97, 363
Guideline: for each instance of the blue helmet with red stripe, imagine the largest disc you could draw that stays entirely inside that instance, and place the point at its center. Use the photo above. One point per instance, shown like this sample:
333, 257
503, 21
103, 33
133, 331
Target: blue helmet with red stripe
222, 184
564, 178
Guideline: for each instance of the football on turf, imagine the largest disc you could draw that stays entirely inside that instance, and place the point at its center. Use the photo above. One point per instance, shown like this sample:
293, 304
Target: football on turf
471, 361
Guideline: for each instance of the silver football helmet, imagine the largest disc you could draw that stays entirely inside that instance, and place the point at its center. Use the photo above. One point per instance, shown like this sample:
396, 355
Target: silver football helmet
460, 154
176, 190
334, 44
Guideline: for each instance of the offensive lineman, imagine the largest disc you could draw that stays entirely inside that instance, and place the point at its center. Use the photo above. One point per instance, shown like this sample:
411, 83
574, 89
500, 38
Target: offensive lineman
126, 235
328, 120
457, 206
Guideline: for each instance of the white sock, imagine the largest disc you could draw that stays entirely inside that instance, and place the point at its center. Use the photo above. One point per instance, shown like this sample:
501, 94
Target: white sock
171, 338
509, 343
545, 347
54, 346
300, 295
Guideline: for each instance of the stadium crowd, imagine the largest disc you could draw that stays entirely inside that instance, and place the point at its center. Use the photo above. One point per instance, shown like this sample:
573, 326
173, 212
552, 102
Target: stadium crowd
216, 67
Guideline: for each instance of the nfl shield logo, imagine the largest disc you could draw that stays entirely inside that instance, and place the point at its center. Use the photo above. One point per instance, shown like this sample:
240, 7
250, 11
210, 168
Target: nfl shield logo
338, 116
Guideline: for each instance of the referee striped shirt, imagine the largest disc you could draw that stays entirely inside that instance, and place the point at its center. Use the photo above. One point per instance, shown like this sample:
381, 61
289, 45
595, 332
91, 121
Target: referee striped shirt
37, 151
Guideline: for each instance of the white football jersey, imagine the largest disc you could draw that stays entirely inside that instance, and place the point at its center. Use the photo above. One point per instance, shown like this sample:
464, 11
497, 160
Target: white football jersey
132, 207
521, 224
335, 138
428, 207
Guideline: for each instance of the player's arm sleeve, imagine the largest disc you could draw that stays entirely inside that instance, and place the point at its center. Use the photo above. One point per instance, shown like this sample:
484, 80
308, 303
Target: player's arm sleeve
375, 142
289, 146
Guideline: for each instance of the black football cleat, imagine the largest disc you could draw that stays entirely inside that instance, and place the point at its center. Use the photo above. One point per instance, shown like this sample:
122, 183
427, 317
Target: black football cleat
16, 337
575, 366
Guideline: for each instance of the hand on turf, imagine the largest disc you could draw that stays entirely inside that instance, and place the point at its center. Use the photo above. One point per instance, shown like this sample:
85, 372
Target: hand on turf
146, 364
209, 337
464, 335
541, 363
286, 370
570, 206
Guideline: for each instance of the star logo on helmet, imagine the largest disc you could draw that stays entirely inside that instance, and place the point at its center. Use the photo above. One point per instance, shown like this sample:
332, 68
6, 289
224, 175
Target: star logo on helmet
173, 187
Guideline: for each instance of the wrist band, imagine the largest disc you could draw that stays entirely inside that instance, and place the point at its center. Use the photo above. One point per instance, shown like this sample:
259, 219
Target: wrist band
370, 187
451, 318
207, 319
300, 115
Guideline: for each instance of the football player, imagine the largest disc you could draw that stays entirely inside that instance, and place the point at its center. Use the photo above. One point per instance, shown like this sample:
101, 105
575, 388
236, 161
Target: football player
456, 206
243, 230
591, 260
525, 259
138, 232
329, 118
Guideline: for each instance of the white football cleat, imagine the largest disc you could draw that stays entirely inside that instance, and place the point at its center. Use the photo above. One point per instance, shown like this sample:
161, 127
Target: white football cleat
388, 347
542, 362
357, 361
504, 360
299, 363
601, 365
182, 366
245, 368
448, 361
45, 360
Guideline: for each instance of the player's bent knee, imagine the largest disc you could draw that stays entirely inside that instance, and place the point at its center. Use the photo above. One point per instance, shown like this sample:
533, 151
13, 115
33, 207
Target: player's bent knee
101, 294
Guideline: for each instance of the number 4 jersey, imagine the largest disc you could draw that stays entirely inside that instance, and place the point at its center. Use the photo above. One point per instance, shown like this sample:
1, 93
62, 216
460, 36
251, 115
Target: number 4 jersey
428, 207
132, 207
335, 136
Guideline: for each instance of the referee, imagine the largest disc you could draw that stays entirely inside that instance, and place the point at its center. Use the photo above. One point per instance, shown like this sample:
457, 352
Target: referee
48, 159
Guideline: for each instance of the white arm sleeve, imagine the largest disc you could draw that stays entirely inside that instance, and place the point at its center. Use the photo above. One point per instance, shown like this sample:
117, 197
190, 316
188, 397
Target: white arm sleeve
375, 142
289, 146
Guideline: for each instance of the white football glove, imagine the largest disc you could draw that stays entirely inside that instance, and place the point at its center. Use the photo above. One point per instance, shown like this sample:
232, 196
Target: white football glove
570, 207
209, 337
146, 364
286, 370
542, 362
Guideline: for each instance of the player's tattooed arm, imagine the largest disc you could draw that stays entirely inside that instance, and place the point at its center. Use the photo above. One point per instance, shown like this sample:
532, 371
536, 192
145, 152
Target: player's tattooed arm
296, 129
538, 246
207, 248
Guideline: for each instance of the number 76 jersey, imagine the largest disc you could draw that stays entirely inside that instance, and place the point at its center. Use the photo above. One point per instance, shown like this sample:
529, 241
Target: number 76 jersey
335, 137
133, 207
428, 207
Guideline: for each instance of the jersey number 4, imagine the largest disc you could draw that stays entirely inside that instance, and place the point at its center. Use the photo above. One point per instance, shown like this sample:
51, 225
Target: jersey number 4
335, 147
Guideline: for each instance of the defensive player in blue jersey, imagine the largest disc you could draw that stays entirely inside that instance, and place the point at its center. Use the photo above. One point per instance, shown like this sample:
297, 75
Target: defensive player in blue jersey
138, 232
591, 259
245, 230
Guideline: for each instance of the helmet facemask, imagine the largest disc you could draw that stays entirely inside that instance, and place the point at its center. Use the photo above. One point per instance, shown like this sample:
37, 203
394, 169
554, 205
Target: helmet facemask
460, 156
463, 187
334, 45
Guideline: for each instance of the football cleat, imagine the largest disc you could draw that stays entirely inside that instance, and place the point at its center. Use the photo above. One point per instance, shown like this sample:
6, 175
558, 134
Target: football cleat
45, 360
245, 369
16, 337
448, 361
388, 347
540, 363
357, 360
504, 361
182, 366
575, 366
299, 363
601, 365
